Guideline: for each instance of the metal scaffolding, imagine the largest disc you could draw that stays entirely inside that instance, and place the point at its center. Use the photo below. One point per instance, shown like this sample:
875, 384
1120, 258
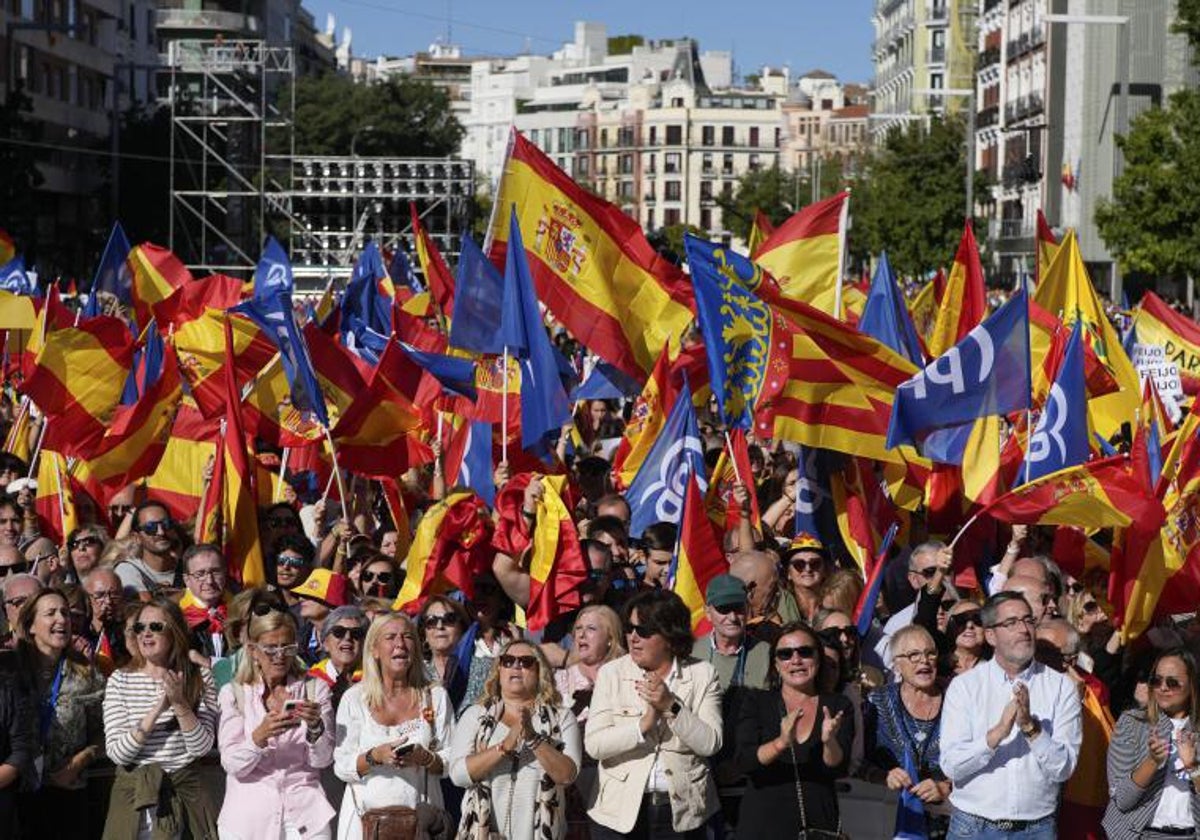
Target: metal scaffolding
235, 176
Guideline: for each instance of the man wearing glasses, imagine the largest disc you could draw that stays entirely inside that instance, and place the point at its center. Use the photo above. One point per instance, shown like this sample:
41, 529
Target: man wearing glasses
15, 590
155, 570
107, 630
205, 605
1011, 733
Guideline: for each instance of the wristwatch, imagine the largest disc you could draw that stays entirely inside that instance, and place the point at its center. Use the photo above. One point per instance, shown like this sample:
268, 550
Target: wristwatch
676, 707
1031, 730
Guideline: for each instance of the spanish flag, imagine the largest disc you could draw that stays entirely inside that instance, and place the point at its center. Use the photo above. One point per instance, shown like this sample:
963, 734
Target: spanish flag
591, 264
176, 480
157, 273
17, 312
17, 441
963, 305
733, 466
1067, 289
452, 543
1047, 247
78, 379
55, 500
760, 231
804, 254
243, 549
557, 567
1178, 335
438, 278
699, 557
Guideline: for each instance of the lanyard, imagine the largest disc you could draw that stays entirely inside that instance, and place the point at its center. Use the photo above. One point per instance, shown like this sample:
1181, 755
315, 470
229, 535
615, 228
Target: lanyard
46, 714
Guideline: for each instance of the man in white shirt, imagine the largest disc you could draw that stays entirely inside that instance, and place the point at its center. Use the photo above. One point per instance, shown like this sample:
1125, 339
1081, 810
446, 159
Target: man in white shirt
1010, 733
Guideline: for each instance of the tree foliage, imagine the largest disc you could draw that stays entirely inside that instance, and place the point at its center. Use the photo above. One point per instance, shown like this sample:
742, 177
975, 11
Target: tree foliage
775, 192
399, 117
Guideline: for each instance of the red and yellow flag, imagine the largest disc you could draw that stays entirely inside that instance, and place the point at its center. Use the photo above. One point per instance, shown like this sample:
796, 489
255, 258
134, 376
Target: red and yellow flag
176, 481
438, 278
452, 542
964, 303
557, 567
1179, 336
732, 466
700, 557
1047, 247
591, 264
8, 248
239, 513
157, 273
804, 253
55, 500
760, 231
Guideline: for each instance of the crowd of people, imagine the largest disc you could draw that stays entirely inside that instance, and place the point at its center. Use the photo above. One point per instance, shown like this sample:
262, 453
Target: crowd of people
132, 663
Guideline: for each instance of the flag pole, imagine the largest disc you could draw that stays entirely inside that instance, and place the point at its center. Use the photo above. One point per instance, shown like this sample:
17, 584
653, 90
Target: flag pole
732, 458
37, 449
843, 224
337, 473
283, 461
1028, 441
62, 505
504, 412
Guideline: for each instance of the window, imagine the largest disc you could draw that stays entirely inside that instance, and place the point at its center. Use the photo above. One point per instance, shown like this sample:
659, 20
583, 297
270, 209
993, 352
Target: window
582, 165
778, 137
535, 136
650, 219
581, 139
673, 191
674, 135
726, 135
708, 135
650, 163
754, 162
653, 135
133, 27
677, 102
150, 25
726, 164
671, 162
705, 219
753, 135
706, 162
706, 192
671, 216
626, 164
625, 190
604, 138
564, 139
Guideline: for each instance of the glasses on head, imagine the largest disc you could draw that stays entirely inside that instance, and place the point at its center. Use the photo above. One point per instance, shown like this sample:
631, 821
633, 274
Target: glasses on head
441, 620
291, 561
1171, 683
726, 609
785, 654
156, 526
207, 574
525, 663
277, 651
1074, 587
155, 627
915, 656
377, 577
928, 572
1091, 607
641, 631
1010, 623
262, 608
105, 594
802, 565
83, 542
341, 631
16, 602
14, 569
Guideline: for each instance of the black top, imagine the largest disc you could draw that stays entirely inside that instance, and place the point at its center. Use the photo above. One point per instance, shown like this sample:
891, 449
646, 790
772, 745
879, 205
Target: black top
770, 807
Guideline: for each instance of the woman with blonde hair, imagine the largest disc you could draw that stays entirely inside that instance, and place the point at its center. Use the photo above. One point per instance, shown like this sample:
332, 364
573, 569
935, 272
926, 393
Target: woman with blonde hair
393, 729
597, 638
276, 735
516, 750
840, 591
160, 717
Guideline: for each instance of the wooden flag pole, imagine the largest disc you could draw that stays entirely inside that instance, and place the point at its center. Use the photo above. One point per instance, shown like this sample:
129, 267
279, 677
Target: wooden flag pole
283, 461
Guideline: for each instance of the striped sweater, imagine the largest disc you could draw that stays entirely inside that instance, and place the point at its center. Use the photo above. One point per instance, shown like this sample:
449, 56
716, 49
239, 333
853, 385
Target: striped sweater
130, 695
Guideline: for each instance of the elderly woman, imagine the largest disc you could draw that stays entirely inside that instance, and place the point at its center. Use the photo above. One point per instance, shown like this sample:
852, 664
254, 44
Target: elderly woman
160, 716
905, 734
65, 692
655, 718
276, 735
964, 637
1152, 759
793, 742
84, 547
342, 634
516, 750
393, 729
442, 622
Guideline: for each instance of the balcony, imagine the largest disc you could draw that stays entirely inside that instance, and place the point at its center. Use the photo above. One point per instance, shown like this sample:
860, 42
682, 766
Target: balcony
989, 57
987, 117
204, 20
1015, 229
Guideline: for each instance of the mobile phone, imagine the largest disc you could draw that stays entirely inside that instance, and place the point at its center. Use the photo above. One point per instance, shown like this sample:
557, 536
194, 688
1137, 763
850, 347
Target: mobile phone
291, 706
403, 749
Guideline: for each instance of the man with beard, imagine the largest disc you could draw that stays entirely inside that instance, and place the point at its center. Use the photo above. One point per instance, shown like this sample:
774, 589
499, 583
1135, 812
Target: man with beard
156, 571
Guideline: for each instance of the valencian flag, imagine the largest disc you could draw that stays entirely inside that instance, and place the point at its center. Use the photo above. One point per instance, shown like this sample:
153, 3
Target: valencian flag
1047, 247
964, 302
1060, 439
452, 542
736, 326
113, 276
438, 278
1066, 288
592, 265
78, 379
557, 567
886, 318
698, 555
157, 273
656, 494
804, 254
1179, 336
986, 373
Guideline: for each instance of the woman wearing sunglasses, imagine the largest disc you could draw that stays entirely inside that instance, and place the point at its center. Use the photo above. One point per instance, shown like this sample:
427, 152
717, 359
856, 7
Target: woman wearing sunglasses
793, 743
442, 622
516, 750
654, 721
1099, 640
276, 735
342, 635
1153, 769
380, 577
963, 640
160, 717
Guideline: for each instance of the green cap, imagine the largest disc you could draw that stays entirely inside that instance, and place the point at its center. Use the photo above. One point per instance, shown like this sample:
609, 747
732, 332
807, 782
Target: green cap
724, 590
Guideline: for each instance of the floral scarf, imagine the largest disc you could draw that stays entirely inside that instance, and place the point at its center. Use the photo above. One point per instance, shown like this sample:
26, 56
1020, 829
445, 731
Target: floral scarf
478, 814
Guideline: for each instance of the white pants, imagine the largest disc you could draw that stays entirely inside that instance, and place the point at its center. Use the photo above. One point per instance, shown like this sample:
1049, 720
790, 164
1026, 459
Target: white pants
289, 833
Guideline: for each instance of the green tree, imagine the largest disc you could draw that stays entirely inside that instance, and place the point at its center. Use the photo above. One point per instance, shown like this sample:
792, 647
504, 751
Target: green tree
399, 117
775, 192
910, 201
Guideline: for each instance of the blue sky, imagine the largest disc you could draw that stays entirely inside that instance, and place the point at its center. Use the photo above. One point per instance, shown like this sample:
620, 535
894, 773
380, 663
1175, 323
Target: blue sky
834, 35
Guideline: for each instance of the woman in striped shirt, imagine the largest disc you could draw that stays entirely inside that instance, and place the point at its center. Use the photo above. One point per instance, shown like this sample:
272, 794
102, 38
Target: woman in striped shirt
160, 716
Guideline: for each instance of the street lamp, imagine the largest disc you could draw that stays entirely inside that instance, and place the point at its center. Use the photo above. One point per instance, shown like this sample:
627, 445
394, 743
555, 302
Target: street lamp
354, 185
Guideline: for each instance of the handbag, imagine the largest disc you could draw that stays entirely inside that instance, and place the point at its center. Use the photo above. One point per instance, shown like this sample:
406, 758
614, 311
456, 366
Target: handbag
806, 833
395, 822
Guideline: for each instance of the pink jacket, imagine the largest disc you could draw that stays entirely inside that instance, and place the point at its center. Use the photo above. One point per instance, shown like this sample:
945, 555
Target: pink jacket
270, 789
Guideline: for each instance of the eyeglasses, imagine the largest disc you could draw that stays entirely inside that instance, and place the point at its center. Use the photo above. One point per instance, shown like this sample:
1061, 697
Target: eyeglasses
915, 656
378, 577
156, 526
17, 602
155, 627
105, 594
802, 565
928, 572
291, 561
597, 575
1010, 623
262, 608
785, 654
341, 631
14, 569
83, 542
525, 663
1158, 681
441, 620
42, 558
209, 574
277, 651
641, 630
1091, 607
1075, 587
726, 609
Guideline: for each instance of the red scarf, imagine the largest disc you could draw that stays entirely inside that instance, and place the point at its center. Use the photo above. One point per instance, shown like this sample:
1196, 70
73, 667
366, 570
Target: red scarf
196, 613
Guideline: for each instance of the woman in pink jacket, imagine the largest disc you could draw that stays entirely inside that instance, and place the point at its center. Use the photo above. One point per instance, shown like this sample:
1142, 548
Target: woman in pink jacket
276, 734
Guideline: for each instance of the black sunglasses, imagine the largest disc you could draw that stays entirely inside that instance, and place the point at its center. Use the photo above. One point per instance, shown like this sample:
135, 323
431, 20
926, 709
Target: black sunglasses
442, 620
156, 526
526, 663
726, 609
1091, 607
926, 573
641, 630
784, 654
962, 619
341, 632
802, 565
1158, 681
155, 627
262, 608
14, 569
379, 577
836, 636
83, 542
